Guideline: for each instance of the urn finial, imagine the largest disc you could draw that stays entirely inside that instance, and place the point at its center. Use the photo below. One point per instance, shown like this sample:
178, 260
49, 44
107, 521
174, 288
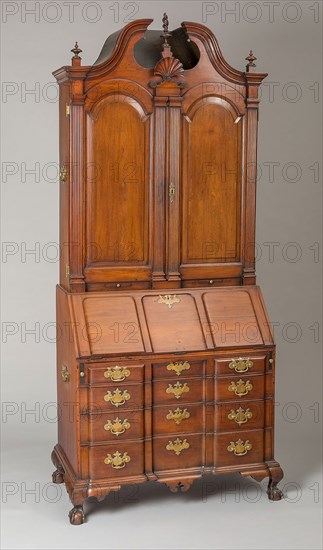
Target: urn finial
251, 61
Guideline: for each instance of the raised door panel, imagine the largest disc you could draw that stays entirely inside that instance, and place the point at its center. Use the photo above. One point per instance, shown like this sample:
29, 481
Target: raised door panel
211, 197
118, 174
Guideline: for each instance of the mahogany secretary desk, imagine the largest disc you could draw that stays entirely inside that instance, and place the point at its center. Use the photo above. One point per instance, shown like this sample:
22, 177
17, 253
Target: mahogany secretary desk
165, 360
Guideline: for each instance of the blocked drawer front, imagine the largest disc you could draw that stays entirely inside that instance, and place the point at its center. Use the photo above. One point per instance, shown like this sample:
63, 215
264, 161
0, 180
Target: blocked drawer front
116, 397
120, 373
244, 447
240, 365
178, 419
116, 426
177, 452
237, 388
177, 369
238, 416
116, 460
178, 391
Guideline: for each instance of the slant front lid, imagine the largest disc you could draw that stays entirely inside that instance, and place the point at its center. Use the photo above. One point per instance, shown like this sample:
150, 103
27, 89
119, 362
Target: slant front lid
117, 323
173, 323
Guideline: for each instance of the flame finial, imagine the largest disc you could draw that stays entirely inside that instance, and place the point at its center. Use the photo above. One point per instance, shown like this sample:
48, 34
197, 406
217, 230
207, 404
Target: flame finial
166, 34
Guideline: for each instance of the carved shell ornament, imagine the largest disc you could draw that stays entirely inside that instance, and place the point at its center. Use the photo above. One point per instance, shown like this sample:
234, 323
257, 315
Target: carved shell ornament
168, 68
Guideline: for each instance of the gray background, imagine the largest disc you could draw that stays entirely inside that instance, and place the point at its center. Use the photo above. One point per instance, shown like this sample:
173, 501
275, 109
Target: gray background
219, 512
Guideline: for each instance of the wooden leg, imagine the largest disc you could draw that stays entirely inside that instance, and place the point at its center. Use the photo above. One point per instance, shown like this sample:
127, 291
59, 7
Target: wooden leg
58, 475
76, 515
276, 474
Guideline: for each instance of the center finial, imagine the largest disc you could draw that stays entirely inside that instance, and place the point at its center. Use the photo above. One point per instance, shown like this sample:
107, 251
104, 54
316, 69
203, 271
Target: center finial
165, 34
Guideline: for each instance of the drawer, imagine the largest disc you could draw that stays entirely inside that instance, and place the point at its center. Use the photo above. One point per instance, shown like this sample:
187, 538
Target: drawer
116, 397
116, 460
115, 426
120, 373
237, 448
176, 453
240, 364
118, 285
186, 390
178, 419
235, 388
178, 369
237, 416
193, 283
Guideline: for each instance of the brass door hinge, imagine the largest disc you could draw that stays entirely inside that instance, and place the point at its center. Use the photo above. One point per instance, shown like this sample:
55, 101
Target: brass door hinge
68, 109
67, 270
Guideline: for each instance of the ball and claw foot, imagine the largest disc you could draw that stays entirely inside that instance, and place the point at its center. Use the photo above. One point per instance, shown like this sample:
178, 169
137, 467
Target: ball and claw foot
76, 515
58, 476
273, 492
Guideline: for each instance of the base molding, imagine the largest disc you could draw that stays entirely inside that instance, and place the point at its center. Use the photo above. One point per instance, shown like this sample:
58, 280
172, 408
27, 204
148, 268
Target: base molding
180, 481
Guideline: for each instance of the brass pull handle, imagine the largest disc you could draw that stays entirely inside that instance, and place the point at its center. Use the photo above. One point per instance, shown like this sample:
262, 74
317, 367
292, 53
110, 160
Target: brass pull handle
117, 398
178, 367
171, 191
239, 448
178, 415
63, 174
117, 460
117, 426
117, 374
178, 389
241, 365
177, 446
65, 374
241, 387
240, 416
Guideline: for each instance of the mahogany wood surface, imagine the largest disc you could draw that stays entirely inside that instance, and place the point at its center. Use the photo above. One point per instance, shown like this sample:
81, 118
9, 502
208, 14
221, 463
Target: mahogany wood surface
165, 356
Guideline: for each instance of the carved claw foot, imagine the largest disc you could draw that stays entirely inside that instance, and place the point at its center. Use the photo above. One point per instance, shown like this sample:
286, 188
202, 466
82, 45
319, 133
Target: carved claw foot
276, 474
273, 492
76, 515
58, 476
176, 486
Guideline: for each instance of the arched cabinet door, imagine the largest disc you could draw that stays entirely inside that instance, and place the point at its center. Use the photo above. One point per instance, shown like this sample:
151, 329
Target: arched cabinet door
211, 191
117, 192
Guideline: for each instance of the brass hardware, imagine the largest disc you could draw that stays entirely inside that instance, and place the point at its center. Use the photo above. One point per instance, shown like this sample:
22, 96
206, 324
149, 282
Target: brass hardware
240, 416
117, 374
171, 191
118, 285
178, 389
68, 109
178, 415
169, 300
241, 365
82, 374
117, 460
177, 446
65, 374
271, 361
117, 398
241, 387
67, 270
117, 426
63, 174
239, 448
211, 281
179, 367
